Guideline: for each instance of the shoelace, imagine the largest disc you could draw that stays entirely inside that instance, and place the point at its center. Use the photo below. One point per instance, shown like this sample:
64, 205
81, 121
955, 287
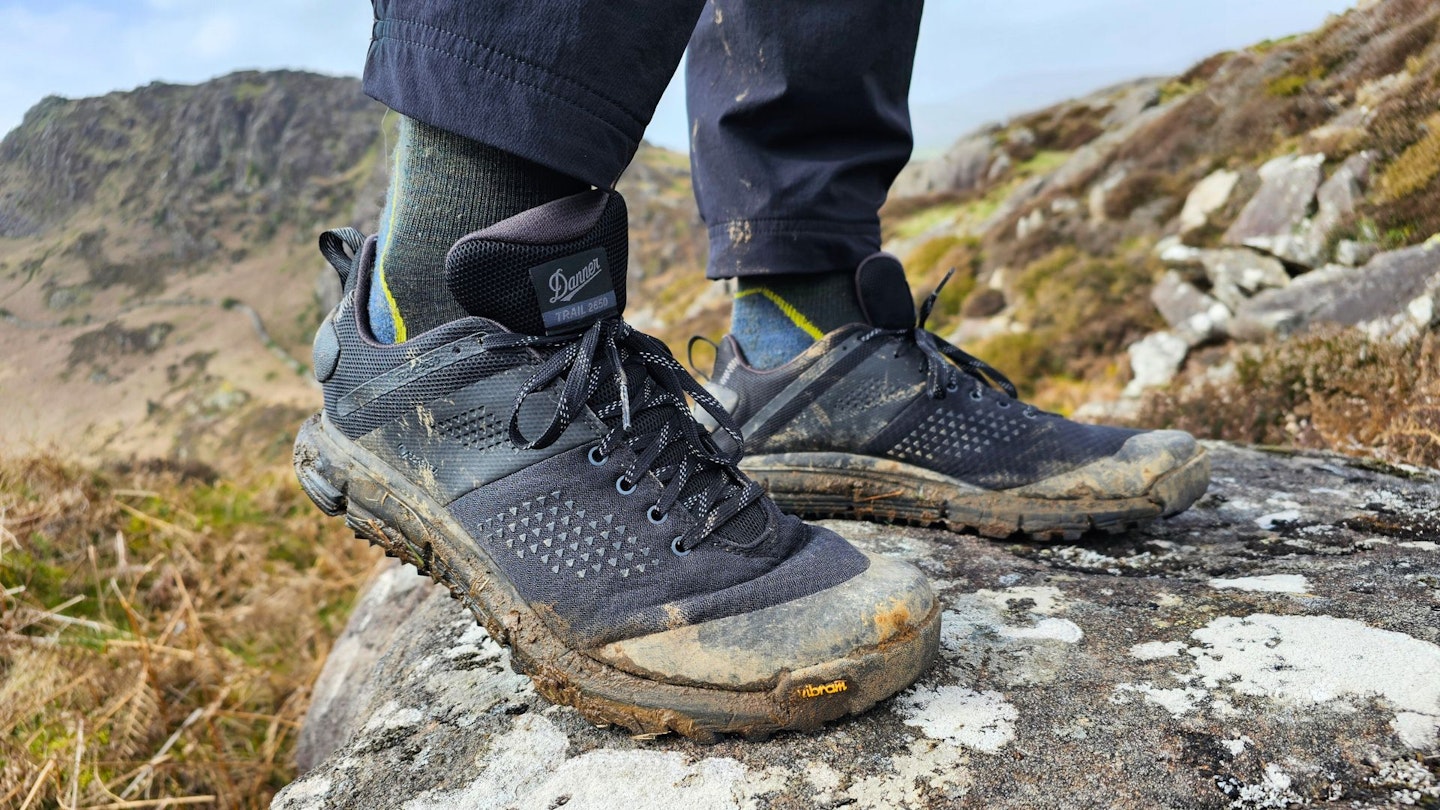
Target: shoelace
585, 361
944, 377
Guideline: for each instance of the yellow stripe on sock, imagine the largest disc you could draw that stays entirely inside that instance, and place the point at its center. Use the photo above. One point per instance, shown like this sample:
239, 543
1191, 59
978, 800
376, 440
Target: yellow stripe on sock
795, 316
380, 263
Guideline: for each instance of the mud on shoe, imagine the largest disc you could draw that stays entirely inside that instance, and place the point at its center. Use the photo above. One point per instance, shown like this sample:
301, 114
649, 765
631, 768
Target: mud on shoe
886, 421
538, 459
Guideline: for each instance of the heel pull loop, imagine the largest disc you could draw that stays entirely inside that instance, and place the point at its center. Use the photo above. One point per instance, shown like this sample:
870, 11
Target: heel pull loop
340, 246
690, 354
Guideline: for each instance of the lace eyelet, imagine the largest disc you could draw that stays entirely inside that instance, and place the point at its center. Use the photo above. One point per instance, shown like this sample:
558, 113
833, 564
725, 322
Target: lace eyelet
675, 547
976, 395
595, 457
654, 515
1004, 403
624, 486
952, 386
1030, 413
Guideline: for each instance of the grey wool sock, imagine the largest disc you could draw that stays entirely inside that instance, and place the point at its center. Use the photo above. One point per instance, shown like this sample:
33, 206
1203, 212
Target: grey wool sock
443, 187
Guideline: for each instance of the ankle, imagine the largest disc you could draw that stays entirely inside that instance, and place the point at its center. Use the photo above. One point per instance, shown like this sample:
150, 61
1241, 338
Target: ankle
776, 317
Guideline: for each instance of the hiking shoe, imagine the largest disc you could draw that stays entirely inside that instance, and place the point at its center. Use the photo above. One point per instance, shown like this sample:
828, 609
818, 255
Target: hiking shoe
539, 459
886, 421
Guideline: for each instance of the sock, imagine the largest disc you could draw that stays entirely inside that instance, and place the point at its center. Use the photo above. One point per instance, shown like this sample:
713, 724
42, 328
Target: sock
443, 187
776, 317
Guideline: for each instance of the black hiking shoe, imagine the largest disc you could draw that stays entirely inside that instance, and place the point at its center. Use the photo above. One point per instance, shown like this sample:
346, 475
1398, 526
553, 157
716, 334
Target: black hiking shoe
540, 461
885, 421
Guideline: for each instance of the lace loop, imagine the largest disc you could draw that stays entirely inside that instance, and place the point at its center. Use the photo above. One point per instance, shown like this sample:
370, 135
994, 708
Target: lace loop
607, 348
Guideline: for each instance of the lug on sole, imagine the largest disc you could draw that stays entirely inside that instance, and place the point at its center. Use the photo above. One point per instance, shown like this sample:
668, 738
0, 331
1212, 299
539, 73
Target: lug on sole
344, 479
840, 485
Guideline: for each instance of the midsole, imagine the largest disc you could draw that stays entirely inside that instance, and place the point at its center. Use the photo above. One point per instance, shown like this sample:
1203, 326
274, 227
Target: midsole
872, 473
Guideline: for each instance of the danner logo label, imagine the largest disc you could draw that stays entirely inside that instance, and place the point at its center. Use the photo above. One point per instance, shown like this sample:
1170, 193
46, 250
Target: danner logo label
574, 291
565, 286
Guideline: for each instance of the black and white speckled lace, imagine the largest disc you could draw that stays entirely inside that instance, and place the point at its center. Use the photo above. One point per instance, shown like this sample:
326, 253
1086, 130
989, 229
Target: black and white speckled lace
612, 350
944, 377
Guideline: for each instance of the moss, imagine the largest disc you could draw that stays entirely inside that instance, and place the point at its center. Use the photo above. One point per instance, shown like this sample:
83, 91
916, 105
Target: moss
1044, 162
1416, 167
1286, 86
925, 219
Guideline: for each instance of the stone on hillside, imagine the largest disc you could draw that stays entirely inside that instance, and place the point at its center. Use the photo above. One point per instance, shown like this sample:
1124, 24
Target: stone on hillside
1352, 253
1272, 218
1154, 360
1193, 315
1095, 200
963, 167
1235, 275
1335, 202
1279, 639
1208, 196
1346, 296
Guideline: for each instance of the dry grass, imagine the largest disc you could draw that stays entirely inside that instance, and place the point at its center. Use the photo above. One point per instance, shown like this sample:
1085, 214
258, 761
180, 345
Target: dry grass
160, 631
1334, 390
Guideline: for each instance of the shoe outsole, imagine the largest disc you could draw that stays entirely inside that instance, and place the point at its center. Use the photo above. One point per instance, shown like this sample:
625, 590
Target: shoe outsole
818, 486
343, 478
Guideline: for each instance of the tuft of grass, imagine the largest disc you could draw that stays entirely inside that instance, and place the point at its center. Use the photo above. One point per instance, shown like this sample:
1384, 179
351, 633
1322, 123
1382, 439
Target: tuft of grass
1331, 389
160, 628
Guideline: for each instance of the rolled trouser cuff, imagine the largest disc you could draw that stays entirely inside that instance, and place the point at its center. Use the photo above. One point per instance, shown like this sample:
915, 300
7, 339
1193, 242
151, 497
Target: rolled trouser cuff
766, 247
461, 85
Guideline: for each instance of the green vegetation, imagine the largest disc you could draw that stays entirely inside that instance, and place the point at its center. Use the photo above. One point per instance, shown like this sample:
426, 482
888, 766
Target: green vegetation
161, 627
1286, 86
1416, 167
925, 219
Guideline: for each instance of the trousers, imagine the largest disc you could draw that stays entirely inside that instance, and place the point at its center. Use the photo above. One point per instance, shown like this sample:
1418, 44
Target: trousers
799, 120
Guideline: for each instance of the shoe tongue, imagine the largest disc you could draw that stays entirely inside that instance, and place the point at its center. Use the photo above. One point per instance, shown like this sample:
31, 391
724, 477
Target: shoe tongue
554, 269
884, 292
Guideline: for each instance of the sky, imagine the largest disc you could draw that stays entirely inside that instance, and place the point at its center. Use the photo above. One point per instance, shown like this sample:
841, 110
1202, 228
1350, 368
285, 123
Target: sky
978, 60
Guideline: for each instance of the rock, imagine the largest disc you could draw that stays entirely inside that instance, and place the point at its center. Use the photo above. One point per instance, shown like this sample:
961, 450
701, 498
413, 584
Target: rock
1353, 254
1193, 315
1030, 223
1208, 196
1272, 218
1279, 639
963, 167
1335, 203
1235, 275
344, 686
1346, 296
1095, 199
1154, 359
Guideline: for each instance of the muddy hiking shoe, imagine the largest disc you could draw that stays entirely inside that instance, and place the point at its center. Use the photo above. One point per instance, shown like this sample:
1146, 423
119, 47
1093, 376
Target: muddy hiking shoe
886, 421
539, 459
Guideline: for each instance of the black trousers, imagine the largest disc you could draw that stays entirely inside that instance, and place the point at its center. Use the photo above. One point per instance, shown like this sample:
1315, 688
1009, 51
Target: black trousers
798, 113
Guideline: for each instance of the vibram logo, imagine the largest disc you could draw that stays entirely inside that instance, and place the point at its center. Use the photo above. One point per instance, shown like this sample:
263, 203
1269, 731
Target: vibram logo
813, 690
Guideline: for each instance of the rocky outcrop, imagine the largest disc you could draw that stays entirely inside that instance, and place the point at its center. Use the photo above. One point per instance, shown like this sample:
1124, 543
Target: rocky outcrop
1193, 315
1270, 220
1208, 196
1274, 646
1391, 284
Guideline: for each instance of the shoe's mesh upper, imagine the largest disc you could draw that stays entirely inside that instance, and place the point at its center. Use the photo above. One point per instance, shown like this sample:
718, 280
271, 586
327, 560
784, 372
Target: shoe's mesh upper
880, 408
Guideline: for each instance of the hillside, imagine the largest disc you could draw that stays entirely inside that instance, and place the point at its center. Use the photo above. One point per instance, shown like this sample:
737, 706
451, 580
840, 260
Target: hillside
1107, 244
159, 284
